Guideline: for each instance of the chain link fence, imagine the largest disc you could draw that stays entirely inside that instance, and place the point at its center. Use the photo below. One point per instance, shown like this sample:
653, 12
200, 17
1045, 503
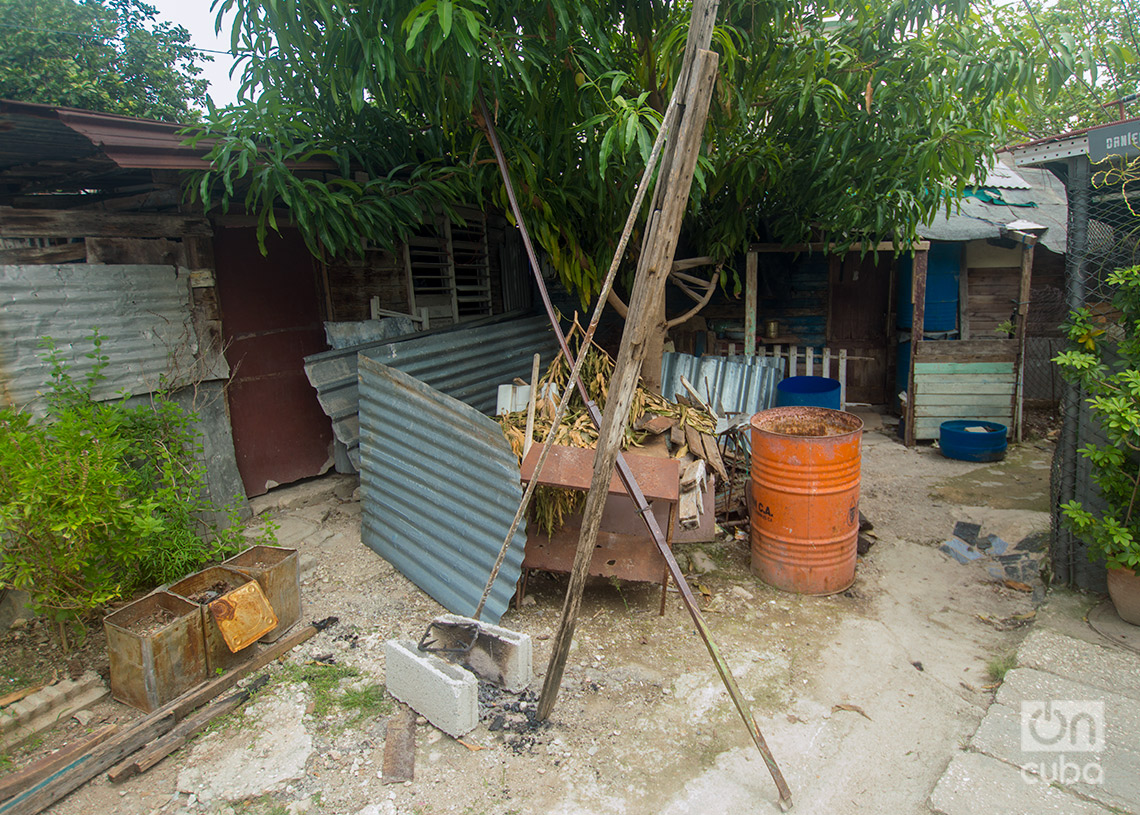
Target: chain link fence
1104, 235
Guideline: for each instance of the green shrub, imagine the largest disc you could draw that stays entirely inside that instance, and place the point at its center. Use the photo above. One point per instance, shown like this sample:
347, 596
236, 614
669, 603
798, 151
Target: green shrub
1105, 362
100, 499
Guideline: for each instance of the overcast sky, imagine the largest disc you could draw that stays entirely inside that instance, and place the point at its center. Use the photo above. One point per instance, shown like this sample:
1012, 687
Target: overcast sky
197, 18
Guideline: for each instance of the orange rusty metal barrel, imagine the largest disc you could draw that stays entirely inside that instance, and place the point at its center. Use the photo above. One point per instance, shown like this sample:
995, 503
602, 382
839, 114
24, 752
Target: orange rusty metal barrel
805, 498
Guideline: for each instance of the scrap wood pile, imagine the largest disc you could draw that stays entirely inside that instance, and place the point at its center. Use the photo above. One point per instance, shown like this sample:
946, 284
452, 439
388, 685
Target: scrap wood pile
682, 430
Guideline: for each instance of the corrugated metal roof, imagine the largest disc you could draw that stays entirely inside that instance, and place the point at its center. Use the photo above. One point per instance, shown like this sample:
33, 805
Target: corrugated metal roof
142, 313
440, 487
60, 148
1003, 178
465, 362
977, 220
729, 384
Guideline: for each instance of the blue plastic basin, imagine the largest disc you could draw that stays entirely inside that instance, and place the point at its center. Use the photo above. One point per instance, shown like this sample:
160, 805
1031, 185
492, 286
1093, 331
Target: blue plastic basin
808, 391
957, 442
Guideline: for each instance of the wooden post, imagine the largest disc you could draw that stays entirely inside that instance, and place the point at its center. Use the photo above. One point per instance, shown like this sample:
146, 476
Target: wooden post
918, 298
750, 305
1028, 242
843, 379
530, 405
670, 202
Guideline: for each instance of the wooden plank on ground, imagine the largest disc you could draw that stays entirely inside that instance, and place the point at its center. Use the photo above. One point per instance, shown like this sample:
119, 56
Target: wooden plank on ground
145, 730
400, 747
159, 749
38, 770
17, 695
88, 765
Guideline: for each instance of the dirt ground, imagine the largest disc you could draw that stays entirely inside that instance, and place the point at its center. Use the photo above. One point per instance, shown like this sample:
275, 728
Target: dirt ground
863, 696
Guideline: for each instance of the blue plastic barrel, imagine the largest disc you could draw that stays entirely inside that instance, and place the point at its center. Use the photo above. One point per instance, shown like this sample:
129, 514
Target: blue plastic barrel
808, 391
943, 267
957, 440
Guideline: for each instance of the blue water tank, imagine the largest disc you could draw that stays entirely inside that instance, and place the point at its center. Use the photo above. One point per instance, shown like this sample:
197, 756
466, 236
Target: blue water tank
943, 268
808, 391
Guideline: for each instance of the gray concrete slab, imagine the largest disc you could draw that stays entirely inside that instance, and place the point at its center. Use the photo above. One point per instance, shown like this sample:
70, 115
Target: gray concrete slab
1110, 776
975, 783
1100, 666
1122, 716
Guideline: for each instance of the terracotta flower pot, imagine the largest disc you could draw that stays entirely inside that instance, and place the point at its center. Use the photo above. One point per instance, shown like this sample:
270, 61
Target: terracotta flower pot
1124, 589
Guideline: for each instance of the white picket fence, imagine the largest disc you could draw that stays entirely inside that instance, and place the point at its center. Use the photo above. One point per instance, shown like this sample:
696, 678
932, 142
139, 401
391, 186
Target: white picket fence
815, 362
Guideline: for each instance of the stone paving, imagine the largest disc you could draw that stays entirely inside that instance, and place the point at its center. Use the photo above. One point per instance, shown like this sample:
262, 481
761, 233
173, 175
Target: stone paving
1063, 733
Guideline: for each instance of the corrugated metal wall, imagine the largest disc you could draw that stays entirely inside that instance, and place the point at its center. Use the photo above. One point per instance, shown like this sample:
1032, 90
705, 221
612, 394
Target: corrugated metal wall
467, 363
440, 489
142, 312
731, 384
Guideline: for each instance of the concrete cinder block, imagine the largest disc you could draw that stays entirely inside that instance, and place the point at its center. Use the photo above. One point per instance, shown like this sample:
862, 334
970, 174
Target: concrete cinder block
500, 656
444, 694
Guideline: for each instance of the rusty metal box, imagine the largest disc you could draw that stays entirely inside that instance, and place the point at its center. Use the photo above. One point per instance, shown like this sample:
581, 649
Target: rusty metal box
157, 650
277, 571
234, 612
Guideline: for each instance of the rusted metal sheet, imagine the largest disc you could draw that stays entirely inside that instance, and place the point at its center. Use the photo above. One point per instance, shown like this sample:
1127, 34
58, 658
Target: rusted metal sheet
243, 616
142, 313
271, 321
572, 468
621, 550
277, 570
467, 362
203, 588
440, 488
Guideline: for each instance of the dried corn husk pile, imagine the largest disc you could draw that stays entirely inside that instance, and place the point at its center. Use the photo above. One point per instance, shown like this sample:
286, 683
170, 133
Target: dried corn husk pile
551, 505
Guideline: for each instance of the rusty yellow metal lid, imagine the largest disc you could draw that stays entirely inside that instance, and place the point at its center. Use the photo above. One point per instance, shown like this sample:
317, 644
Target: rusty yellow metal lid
243, 615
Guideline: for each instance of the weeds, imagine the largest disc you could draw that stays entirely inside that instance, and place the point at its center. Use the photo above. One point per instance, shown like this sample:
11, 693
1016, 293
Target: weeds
1000, 665
324, 685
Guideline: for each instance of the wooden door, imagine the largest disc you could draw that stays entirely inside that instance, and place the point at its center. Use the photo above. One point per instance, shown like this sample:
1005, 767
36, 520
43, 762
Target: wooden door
859, 302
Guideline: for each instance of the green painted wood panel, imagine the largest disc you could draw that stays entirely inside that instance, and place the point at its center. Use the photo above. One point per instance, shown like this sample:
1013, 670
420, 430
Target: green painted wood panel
962, 368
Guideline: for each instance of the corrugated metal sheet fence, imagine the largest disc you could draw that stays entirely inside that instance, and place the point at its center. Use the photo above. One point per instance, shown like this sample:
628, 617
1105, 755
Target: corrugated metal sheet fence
440, 489
142, 314
467, 363
730, 384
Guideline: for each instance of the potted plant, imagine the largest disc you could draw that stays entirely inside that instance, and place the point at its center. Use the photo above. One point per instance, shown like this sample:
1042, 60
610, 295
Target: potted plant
1105, 362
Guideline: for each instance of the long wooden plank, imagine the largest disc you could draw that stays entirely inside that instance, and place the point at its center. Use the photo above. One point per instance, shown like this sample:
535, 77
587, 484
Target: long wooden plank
40, 769
962, 412
750, 283
89, 765
964, 368
145, 730
71, 223
44, 255
965, 399
930, 386
159, 749
952, 389
17, 695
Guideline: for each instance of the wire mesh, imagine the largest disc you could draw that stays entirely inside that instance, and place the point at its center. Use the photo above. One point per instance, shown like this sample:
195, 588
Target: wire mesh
1104, 235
